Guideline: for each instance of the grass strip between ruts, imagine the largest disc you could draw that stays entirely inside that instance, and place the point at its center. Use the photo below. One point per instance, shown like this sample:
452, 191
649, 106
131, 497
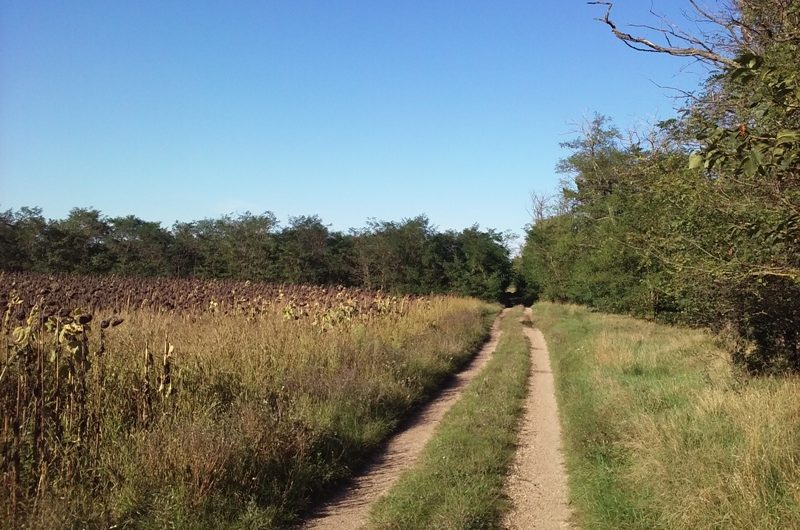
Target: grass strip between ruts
459, 479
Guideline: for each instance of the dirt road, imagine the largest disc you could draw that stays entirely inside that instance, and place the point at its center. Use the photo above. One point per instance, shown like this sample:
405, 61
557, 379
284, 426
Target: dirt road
350, 509
538, 481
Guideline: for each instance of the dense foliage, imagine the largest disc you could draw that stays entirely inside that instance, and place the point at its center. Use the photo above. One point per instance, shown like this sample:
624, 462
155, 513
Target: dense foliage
700, 222
403, 257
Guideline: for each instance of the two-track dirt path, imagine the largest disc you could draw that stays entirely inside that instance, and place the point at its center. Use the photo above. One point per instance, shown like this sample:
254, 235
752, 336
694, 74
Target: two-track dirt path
538, 482
350, 508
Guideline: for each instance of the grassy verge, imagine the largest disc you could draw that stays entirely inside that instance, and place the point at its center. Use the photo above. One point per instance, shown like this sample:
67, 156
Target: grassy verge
458, 481
259, 413
662, 432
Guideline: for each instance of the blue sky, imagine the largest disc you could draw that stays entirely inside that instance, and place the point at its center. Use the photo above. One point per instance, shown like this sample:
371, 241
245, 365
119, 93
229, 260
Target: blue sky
349, 110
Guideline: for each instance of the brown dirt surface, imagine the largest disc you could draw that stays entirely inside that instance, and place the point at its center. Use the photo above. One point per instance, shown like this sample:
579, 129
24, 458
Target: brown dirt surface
349, 509
537, 485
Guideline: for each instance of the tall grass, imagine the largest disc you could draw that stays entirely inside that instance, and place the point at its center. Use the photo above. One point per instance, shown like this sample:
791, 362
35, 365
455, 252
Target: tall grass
216, 421
663, 432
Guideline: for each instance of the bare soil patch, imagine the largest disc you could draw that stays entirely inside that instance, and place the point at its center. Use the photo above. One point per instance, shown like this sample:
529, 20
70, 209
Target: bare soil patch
538, 481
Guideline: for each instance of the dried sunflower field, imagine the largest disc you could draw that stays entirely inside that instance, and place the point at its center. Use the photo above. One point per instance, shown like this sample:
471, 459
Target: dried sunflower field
139, 403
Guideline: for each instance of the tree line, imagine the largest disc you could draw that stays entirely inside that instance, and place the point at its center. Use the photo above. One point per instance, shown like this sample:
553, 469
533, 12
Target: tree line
697, 220
410, 256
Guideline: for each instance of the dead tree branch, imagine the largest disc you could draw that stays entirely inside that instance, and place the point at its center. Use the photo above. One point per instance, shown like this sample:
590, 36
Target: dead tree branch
696, 48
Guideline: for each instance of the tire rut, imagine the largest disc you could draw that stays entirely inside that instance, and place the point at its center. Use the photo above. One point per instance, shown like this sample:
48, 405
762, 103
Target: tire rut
349, 509
537, 485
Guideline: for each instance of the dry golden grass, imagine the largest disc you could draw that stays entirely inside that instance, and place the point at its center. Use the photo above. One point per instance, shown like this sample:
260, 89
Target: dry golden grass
664, 432
264, 411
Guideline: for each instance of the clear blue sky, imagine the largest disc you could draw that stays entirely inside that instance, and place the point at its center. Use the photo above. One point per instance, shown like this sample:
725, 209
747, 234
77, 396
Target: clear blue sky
346, 109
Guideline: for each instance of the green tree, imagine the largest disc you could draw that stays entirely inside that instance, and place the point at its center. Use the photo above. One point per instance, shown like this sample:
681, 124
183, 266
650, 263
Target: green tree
732, 252
137, 247
481, 265
304, 252
21, 238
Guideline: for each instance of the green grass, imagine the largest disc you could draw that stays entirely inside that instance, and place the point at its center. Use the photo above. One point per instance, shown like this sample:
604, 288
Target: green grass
458, 481
661, 431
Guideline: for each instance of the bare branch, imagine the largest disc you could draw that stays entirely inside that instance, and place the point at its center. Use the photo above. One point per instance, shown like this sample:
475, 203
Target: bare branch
684, 94
541, 207
703, 52
672, 33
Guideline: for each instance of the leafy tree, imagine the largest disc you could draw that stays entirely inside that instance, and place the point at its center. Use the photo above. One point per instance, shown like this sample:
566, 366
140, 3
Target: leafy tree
394, 256
482, 266
185, 253
409, 256
303, 251
701, 222
240, 247
77, 243
21, 238
137, 247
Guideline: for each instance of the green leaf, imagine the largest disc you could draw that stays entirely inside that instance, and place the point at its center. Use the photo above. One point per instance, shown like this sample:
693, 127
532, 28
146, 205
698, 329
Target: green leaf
758, 156
750, 165
744, 73
787, 136
696, 160
749, 60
